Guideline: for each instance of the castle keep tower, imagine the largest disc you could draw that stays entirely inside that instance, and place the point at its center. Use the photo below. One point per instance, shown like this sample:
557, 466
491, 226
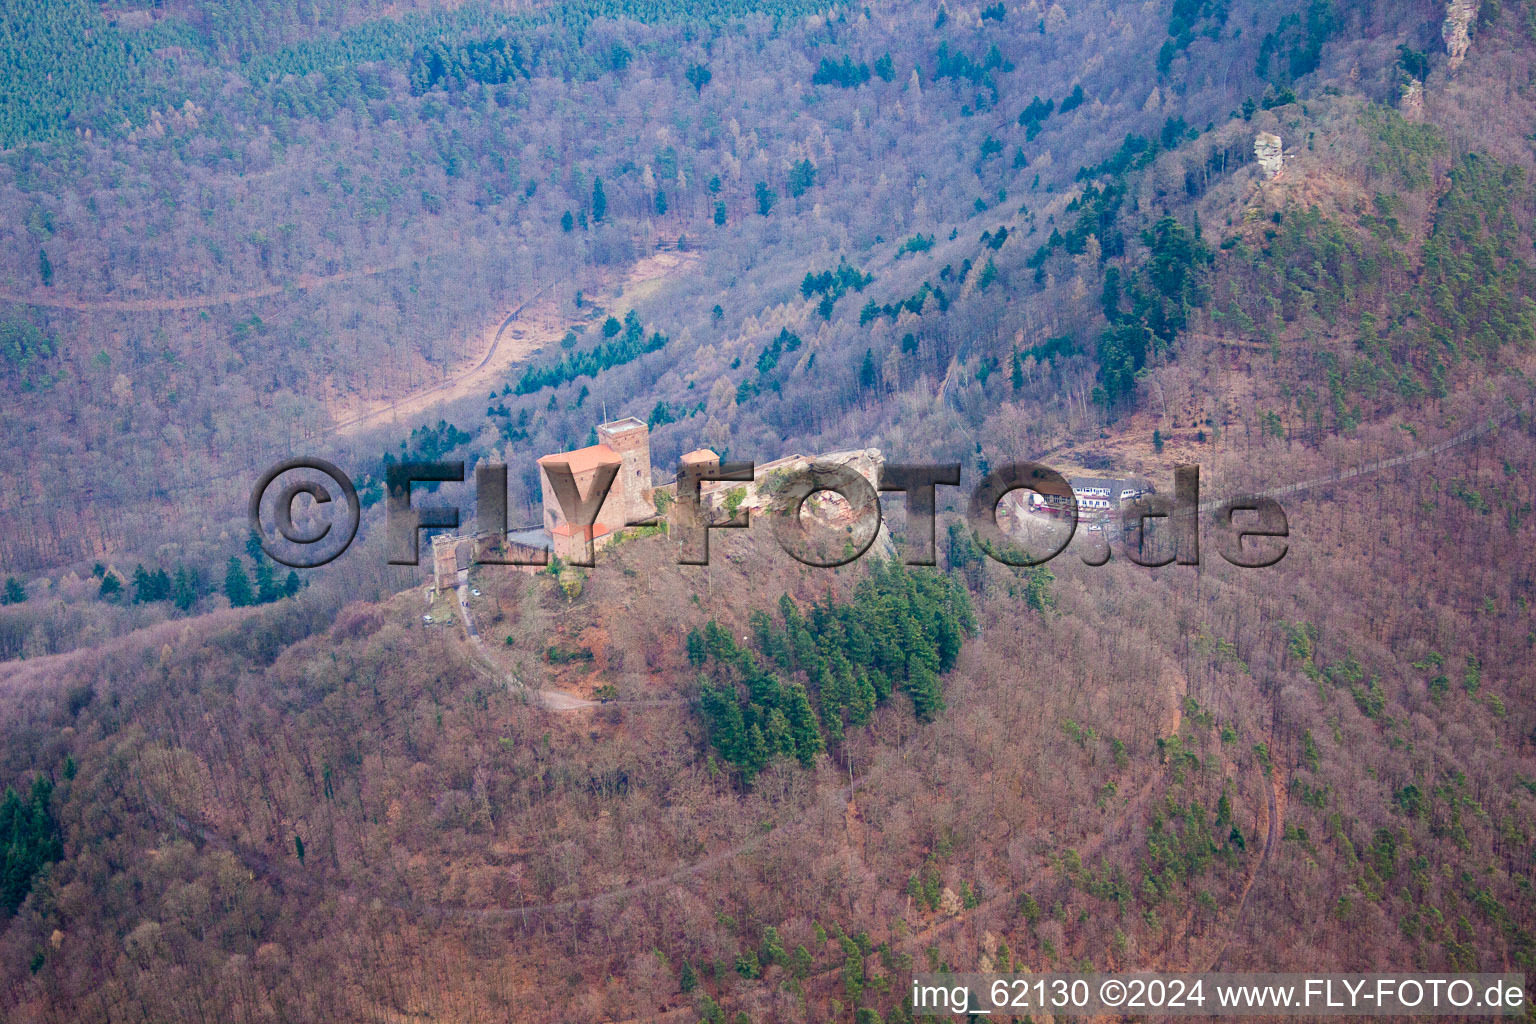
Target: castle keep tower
631, 440
631, 499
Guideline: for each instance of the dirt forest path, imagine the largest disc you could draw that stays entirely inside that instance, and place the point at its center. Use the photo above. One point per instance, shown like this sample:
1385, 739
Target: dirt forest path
1274, 791
499, 355
304, 282
282, 874
546, 697
529, 327
1369, 468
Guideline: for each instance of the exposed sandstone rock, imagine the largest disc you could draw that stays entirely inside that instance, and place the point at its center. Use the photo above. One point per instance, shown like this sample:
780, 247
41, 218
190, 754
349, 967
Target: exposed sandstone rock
1459, 16
1268, 150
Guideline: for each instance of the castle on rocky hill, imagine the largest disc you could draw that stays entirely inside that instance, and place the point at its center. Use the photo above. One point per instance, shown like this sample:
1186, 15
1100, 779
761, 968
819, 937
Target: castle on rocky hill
624, 447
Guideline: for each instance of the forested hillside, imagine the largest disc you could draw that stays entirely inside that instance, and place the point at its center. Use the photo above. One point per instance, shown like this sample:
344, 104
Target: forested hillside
754, 791
342, 817
272, 225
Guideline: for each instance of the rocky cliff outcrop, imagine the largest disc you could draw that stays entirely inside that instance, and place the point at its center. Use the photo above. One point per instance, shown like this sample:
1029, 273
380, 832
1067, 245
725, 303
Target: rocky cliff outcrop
1269, 152
1457, 30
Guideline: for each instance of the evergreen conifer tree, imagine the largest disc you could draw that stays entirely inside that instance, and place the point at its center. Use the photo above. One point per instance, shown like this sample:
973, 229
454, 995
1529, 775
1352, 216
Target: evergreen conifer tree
237, 585
599, 201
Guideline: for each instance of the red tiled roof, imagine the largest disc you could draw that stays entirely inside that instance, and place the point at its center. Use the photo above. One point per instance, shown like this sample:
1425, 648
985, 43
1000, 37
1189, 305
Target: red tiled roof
571, 530
583, 460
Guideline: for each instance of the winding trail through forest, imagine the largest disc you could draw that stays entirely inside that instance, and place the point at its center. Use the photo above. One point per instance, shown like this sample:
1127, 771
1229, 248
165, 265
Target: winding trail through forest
1276, 799
1377, 465
473, 379
578, 704
303, 282
549, 699
283, 875
507, 346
